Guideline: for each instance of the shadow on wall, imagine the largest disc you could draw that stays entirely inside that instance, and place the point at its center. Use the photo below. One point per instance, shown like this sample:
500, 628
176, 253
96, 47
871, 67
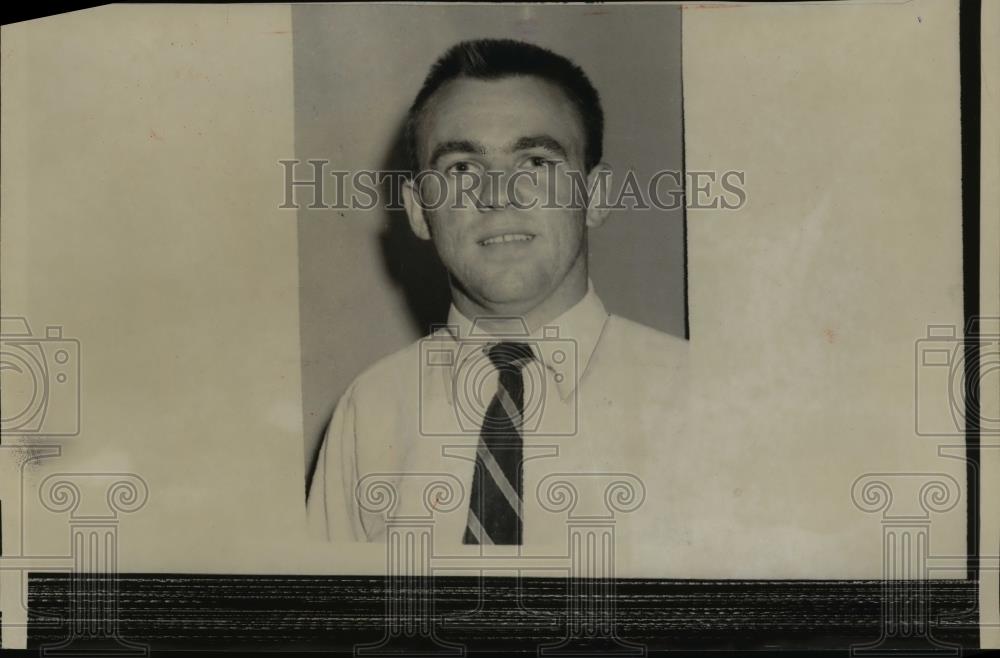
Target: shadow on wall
411, 262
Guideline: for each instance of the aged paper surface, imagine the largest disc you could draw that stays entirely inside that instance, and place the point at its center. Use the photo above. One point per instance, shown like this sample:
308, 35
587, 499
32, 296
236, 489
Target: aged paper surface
140, 213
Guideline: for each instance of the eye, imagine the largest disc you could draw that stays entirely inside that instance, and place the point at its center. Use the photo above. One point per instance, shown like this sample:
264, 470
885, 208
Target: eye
540, 161
460, 167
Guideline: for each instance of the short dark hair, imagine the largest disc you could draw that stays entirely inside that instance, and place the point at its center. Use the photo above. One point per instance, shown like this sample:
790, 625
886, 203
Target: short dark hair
493, 59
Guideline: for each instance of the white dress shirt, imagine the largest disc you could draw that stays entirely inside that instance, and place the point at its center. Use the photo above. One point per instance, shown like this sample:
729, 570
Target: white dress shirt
603, 406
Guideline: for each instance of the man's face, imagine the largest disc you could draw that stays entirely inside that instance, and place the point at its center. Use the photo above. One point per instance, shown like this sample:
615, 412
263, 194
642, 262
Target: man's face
508, 142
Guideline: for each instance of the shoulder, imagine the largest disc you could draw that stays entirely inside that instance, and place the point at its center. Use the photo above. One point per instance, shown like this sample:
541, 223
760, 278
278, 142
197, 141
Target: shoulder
639, 346
388, 377
395, 381
375, 416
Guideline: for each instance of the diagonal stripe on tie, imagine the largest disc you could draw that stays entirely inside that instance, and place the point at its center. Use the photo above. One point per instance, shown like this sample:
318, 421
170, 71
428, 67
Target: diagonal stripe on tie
499, 479
477, 531
510, 407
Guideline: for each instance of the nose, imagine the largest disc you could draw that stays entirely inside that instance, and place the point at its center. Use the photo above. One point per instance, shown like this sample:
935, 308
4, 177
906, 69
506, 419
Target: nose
493, 191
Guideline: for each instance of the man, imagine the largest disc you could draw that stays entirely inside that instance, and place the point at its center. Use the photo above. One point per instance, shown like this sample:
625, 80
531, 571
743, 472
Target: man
533, 392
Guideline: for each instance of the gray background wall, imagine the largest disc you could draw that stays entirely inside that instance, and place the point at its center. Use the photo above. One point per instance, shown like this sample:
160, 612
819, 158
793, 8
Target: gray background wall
367, 286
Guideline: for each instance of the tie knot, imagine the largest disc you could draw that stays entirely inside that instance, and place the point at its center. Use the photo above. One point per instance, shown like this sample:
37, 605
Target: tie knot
504, 355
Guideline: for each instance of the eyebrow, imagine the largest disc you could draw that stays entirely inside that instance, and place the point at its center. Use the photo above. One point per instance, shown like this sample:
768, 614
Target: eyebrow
539, 141
546, 142
456, 146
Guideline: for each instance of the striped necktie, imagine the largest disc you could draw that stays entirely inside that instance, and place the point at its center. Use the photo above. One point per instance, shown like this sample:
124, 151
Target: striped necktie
497, 486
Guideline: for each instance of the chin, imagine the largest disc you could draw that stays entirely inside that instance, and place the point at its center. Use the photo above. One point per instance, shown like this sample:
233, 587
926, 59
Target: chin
512, 290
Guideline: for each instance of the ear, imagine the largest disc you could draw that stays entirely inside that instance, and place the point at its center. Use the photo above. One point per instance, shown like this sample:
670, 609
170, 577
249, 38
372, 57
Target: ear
598, 180
415, 210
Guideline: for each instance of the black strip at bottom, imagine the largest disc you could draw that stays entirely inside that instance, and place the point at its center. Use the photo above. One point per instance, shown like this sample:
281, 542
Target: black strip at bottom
133, 613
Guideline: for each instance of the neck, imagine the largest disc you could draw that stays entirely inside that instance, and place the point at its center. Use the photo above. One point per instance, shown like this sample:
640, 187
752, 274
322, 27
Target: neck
535, 313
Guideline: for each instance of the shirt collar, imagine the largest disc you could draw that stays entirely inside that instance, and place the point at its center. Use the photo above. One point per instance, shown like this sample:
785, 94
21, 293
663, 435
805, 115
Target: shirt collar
564, 345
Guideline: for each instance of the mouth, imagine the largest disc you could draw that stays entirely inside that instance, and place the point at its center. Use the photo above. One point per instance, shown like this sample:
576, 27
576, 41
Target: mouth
507, 238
